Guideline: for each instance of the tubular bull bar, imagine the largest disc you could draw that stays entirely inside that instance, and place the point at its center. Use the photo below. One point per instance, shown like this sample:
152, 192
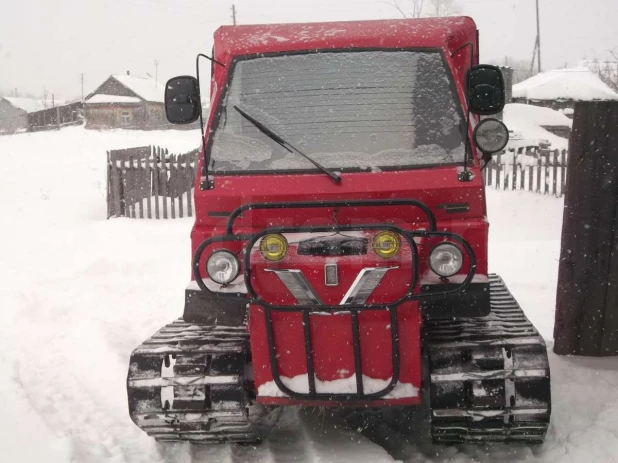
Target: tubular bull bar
354, 309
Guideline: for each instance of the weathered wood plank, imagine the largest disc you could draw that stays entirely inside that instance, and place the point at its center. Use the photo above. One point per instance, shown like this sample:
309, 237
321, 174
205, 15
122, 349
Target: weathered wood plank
139, 177
172, 187
547, 173
164, 183
539, 172
180, 185
514, 185
555, 179
149, 186
155, 185
563, 173
189, 183
498, 169
587, 296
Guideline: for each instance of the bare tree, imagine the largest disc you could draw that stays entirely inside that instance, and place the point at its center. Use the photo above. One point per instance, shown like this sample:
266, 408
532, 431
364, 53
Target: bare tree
417, 8
607, 70
443, 8
521, 68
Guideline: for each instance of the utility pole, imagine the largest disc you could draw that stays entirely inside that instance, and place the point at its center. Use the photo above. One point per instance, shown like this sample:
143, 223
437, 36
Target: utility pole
234, 14
537, 44
15, 92
538, 33
156, 65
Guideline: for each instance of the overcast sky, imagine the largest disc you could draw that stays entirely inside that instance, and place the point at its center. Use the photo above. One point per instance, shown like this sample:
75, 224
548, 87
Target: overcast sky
50, 43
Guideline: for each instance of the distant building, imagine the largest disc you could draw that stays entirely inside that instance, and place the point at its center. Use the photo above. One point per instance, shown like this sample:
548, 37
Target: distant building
14, 113
126, 101
561, 88
56, 117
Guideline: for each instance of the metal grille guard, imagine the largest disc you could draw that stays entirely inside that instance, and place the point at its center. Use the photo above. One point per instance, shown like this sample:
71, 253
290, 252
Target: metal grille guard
353, 308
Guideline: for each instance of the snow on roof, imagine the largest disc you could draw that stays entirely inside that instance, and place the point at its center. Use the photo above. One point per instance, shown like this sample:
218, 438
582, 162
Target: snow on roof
450, 33
29, 105
145, 87
579, 84
545, 117
529, 121
101, 99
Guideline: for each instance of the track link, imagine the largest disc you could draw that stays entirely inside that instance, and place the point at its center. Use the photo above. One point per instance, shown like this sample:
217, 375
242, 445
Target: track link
186, 383
489, 376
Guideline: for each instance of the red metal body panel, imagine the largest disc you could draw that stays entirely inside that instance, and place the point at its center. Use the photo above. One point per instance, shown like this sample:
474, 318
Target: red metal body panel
332, 339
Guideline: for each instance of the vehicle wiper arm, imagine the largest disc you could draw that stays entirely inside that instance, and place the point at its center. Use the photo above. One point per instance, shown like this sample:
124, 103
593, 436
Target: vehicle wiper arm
273, 136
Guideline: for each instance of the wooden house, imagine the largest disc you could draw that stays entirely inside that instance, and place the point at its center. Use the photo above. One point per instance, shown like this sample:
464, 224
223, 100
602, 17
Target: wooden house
126, 101
14, 113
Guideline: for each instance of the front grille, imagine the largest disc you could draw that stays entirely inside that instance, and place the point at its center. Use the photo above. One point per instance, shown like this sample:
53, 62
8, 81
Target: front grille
336, 245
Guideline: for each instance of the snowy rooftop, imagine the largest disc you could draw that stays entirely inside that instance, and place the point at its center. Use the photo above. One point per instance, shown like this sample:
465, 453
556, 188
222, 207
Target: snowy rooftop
529, 121
29, 105
145, 87
537, 115
102, 99
579, 84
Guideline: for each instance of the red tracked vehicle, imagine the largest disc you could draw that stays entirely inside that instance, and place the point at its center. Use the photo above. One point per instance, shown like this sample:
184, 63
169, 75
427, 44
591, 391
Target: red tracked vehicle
340, 242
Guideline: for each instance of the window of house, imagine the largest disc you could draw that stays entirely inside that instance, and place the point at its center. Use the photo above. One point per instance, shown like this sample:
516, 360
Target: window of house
126, 117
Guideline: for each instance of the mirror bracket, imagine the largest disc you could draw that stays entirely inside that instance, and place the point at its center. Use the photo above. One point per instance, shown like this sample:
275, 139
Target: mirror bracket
465, 176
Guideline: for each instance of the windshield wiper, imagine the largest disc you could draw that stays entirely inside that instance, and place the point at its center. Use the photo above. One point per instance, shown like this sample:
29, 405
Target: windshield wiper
273, 136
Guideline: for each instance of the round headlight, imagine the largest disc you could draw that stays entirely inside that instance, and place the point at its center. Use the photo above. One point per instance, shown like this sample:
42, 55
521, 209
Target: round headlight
491, 136
446, 260
386, 244
274, 247
222, 267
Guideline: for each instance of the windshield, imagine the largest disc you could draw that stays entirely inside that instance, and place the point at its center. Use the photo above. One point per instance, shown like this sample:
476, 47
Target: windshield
347, 110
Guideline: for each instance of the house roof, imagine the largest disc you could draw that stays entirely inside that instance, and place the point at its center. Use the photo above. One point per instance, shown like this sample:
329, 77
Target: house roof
29, 105
579, 84
106, 99
144, 87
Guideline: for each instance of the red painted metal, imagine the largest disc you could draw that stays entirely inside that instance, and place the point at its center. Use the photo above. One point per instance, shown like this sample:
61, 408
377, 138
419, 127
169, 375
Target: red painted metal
436, 186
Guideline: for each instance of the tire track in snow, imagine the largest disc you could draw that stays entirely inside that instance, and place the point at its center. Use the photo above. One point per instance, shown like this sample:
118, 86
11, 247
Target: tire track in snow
332, 440
56, 386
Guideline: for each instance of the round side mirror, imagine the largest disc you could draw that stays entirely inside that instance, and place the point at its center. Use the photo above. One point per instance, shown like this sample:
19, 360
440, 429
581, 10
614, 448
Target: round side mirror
491, 136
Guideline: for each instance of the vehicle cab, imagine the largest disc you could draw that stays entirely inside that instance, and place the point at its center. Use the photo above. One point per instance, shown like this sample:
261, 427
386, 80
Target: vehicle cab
340, 201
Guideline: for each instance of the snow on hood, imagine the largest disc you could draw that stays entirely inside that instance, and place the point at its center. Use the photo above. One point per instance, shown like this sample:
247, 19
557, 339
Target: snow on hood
579, 84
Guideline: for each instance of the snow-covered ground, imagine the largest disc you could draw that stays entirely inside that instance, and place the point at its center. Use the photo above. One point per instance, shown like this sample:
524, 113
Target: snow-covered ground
79, 292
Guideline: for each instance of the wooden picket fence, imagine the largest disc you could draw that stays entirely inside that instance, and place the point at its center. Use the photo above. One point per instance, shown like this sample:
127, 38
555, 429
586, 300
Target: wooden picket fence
530, 169
149, 182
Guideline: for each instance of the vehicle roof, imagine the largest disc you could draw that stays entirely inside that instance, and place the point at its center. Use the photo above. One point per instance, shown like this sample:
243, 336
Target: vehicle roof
450, 33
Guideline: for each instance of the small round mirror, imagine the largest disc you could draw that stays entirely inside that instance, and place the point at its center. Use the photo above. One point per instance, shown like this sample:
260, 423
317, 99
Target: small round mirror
491, 136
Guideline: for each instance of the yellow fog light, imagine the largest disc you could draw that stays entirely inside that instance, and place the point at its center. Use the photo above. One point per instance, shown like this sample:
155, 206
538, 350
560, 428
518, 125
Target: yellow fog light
273, 247
386, 244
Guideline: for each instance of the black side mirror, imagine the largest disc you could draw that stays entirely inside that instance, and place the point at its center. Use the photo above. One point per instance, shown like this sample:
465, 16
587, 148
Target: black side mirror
182, 100
486, 95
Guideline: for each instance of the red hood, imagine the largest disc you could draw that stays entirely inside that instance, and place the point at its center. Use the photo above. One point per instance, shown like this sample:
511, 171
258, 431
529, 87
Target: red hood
439, 188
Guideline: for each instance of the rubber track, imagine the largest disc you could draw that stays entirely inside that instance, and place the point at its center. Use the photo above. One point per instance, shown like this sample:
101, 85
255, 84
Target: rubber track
186, 383
489, 376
